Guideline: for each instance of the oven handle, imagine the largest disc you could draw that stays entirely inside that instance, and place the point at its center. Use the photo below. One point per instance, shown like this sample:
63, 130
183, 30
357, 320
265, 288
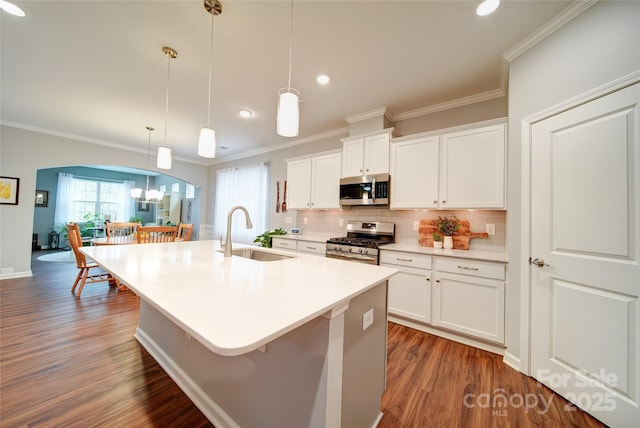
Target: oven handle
359, 258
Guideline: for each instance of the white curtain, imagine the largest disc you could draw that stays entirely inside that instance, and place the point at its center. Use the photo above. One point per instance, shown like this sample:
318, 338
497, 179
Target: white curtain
129, 205
247, 186
64, 196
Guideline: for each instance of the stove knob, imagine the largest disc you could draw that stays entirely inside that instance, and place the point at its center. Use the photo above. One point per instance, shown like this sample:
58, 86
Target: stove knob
350, 249
365, 251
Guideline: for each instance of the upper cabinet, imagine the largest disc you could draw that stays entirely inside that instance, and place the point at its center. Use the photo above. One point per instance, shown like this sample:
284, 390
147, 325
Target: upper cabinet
314, 182
366, 154
451, 169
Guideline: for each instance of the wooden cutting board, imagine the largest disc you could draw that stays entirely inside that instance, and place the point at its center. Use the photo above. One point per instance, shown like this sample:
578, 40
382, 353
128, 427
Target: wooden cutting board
460, 240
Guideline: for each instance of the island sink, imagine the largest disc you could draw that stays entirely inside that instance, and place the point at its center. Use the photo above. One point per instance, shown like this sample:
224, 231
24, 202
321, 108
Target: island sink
261, 256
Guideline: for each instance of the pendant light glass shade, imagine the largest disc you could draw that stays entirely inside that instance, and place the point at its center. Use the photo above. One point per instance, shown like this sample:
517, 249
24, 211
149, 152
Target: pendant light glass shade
136, 192
207, 143
164, 158
288, 118
150, 195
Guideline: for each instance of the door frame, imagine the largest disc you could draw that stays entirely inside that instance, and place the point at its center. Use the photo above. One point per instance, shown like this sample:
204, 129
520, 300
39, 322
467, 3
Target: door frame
525, 200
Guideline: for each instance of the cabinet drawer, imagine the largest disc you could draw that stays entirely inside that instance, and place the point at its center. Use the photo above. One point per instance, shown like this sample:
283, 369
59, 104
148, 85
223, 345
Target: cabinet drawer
288, 244
311, 247
471, 267
422, 261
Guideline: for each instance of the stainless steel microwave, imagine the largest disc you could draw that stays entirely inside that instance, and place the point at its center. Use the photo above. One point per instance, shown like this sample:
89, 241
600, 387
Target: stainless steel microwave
365, 190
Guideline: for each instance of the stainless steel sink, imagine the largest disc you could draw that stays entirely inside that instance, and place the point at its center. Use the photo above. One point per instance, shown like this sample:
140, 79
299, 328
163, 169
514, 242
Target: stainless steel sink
262, 256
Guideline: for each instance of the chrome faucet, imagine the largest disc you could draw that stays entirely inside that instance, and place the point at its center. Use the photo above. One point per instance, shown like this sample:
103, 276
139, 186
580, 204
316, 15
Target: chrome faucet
227, 246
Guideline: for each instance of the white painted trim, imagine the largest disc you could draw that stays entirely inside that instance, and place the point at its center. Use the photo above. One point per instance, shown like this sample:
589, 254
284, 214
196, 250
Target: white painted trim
465, 340
448, 105
566, 15
208, 407
511, 360
11, 275
525, 190
474, 125
327, 152
382, 111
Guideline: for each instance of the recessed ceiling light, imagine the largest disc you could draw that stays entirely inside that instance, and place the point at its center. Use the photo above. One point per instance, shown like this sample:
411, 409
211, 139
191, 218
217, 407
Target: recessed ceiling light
245, 113
11, 8
323, 79
487, 7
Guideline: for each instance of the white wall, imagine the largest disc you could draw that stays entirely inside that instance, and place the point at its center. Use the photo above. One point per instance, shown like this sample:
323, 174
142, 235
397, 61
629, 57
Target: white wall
23, 152
599, 46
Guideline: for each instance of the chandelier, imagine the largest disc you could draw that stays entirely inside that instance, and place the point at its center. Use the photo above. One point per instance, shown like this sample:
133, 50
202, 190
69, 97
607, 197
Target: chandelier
153, 195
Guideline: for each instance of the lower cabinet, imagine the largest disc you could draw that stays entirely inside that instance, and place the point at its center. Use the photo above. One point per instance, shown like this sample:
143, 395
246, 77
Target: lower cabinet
307, 247
458, 295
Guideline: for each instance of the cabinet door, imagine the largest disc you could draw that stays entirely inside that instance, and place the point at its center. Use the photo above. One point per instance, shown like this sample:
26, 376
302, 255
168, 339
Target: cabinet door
311, 247
376, 154
414, 173
352, 157
299, 184
410, 294
469, 305
325, 181
472, 169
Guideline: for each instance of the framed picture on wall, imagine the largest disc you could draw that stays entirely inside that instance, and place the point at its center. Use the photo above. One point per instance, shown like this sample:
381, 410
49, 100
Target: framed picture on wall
143, 206
9, 189
42, 198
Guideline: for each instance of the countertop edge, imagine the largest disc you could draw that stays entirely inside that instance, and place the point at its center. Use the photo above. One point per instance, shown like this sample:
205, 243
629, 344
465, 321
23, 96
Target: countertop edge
491, 256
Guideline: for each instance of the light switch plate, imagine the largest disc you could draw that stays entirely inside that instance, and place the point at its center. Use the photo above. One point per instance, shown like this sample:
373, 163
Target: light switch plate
491, 229
340, 222
416, 225
305, 220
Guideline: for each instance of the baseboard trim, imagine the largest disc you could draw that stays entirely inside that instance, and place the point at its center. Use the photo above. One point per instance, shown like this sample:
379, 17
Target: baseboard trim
211, 410
16, 275
511, 360
465, 340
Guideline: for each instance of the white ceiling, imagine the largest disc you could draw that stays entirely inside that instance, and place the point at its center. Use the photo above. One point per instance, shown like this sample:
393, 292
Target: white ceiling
95, 69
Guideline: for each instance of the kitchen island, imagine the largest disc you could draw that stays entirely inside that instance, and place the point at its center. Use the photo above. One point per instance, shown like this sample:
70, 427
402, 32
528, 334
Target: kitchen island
289, 343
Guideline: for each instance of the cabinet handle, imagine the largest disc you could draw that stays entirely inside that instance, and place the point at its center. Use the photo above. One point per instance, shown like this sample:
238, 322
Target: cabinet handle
360, 170
428, 279
467, 267
367, 169
312, 248
404, 260
444, 202
435, 202
438, 281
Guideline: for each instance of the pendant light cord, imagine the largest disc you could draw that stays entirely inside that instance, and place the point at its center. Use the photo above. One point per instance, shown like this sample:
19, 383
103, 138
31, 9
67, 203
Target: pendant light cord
166, 107
290, 46
210, 73
148, 156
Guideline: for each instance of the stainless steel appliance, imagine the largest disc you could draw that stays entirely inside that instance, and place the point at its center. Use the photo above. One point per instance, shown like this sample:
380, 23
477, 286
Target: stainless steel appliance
365, 190
362, 241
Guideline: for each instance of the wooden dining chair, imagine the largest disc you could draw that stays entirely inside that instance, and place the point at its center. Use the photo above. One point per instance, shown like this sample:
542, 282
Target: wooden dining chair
89, 271
118, 229
184, 231
150, 234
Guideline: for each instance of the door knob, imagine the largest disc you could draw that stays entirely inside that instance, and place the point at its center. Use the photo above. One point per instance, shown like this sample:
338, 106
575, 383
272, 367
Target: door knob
538, 262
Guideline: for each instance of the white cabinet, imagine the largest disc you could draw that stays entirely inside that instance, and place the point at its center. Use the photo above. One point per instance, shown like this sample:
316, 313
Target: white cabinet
453, 295
410, 289
471, 300
367, 154
314, 182
303, 246
168, 210
464, 168
414, 173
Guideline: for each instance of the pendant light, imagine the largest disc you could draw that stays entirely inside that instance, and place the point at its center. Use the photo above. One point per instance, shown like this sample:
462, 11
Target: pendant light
164, 152
288, 119
153, 195
207, 140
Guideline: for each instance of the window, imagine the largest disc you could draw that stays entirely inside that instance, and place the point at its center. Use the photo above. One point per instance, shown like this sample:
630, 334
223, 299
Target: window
175, 187
190, 191
96, 197
246, 186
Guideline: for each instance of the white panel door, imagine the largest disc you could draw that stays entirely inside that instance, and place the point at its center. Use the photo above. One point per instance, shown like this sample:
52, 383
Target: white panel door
585, 279
410, 294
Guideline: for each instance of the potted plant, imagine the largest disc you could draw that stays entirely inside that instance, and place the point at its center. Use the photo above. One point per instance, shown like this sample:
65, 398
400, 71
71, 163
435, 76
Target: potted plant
448, 226
437, 241
265, 239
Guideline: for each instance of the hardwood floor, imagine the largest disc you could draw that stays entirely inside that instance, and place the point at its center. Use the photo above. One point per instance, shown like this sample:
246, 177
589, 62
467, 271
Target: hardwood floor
71, 362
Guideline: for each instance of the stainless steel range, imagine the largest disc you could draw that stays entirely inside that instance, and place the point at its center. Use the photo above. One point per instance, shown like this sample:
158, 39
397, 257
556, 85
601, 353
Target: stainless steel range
362, 241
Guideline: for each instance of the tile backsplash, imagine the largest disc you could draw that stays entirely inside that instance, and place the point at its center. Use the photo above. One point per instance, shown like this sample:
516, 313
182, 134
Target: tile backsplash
327, 222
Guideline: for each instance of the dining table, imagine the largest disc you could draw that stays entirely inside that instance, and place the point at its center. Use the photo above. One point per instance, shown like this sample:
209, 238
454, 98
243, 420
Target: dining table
118, 240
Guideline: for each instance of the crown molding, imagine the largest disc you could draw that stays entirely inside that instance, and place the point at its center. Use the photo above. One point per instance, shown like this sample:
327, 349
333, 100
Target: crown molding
566, 15
382, 111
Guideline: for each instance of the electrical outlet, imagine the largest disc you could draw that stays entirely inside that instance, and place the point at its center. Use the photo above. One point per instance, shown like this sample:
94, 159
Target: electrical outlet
416, 225
305, 220
341, 222
367, 319
491, 229
288, 220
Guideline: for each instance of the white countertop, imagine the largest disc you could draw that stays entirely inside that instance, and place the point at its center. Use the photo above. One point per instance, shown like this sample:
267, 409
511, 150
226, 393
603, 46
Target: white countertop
235, 305
463, 254
312, 237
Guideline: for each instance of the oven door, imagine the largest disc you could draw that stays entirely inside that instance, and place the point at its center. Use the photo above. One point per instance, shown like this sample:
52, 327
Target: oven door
360, 258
